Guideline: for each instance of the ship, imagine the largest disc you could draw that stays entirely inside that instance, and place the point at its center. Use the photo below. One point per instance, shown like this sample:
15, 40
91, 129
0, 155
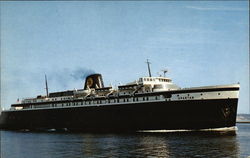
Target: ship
147, 104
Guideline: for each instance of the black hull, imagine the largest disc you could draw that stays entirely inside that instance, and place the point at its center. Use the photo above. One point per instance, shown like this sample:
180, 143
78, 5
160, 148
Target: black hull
168, 115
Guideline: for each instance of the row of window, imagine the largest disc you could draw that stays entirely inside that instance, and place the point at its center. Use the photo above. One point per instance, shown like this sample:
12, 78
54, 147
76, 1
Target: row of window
53, 99
164, 80
128, 87
66, 98
153, 79
97, 102
186, 97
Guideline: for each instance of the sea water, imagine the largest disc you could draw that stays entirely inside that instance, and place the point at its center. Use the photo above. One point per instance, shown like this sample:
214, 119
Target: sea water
27, 144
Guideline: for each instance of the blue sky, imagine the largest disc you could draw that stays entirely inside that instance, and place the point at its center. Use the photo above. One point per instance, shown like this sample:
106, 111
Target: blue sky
201, 43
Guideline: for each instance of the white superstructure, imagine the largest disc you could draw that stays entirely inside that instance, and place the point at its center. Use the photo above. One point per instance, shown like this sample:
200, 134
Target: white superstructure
144, 89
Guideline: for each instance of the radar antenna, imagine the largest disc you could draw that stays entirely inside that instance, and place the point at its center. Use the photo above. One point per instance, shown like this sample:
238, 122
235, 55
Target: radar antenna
164, 72
149, 72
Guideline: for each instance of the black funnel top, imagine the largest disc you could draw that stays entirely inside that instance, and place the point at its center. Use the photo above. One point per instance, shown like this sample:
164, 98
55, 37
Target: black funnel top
94, 81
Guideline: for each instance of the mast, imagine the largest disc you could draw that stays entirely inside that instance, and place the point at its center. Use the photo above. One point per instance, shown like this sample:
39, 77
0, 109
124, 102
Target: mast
149, 72
46, 84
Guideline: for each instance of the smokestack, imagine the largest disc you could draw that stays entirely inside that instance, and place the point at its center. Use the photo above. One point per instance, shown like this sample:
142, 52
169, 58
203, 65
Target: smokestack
94, 81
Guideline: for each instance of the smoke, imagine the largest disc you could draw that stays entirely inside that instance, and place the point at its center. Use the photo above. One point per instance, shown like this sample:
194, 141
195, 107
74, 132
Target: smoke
81, 73
68, 78
31, 83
